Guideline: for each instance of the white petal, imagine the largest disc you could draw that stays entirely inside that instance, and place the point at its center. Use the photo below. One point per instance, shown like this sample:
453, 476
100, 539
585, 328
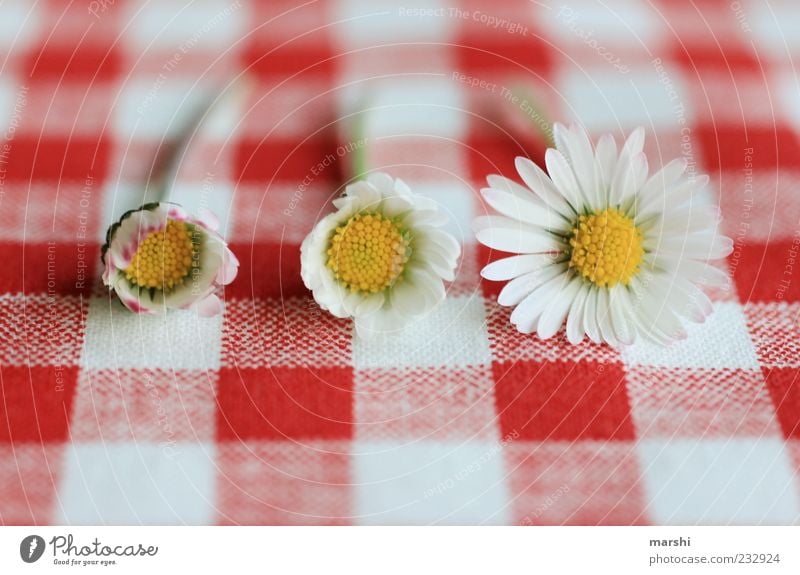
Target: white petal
634, 144
507, 235
564, 179
686, 297
369, 304
378, 324
445, 242
590, 325
518, 288
655, 308
440, 265
396, 206
209, 306
670, 198
514, 266
330, 294
662, 180
575, 319
629, 177
644, 327
382, 182
405, 298
507, 185
605, 163
686, 220
541, 184
604, 317
526, 315
430, 288
554, 314
581, 157
346, 205
436, 258
400, 187
367, 195
700, 246
619, 305
425, 217
562, 139
130, 298
695, 271
527, 210
633, 147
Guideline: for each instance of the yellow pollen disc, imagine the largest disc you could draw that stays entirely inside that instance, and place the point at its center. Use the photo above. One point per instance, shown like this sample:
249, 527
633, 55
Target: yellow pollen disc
368, 253
606, 248
165, 258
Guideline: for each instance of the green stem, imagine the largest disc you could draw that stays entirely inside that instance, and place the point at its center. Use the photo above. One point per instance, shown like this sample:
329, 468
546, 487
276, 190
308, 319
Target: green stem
172, 155
359, 165
531, 108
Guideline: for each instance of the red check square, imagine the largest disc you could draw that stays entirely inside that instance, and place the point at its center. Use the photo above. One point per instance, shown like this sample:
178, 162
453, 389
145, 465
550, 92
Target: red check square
46, 331
295, 61
496, 55
509, 345
285, 403
563, 400
285, 483
40, 157
28, 479
37, 403
59, 268
145, 405
734, 146
717, 55
88, 61
768, 272
784, 387
584, 483
266, 161
293, 332
493, 153
696, 402
774, 329
267, 270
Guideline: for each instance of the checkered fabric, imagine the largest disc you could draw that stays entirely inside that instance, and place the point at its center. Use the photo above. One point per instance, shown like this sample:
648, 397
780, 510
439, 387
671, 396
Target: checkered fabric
273, 413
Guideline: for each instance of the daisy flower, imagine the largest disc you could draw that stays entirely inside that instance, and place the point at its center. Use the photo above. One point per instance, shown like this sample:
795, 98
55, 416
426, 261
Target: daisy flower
616, 254
158, 256
381, 257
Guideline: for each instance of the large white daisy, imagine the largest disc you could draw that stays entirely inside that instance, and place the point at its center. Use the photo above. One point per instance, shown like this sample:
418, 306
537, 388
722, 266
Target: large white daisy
616, 254
381, 257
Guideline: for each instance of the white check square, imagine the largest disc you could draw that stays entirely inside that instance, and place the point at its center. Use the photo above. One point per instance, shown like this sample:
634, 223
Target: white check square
453, 334
137, 484
383, 22
723, 341
604, 99
171, 24
412, 105
178, 339
430, 483
724, 481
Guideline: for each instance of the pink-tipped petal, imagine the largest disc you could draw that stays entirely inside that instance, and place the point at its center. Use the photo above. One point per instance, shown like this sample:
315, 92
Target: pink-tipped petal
210, 306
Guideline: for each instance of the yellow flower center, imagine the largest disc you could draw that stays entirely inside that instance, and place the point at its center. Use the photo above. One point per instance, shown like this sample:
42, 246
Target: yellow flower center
368, 253
606, 248
165, 258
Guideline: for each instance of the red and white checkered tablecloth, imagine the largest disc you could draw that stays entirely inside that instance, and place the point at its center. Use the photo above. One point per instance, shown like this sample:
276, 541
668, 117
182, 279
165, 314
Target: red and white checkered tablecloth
273, 413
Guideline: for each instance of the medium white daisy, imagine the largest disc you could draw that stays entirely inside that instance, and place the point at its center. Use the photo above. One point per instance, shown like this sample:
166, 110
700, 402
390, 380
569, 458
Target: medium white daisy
159, 257
380, 258
616, 254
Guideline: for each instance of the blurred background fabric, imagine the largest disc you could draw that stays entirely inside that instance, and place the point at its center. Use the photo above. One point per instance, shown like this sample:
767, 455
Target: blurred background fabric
273, 413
